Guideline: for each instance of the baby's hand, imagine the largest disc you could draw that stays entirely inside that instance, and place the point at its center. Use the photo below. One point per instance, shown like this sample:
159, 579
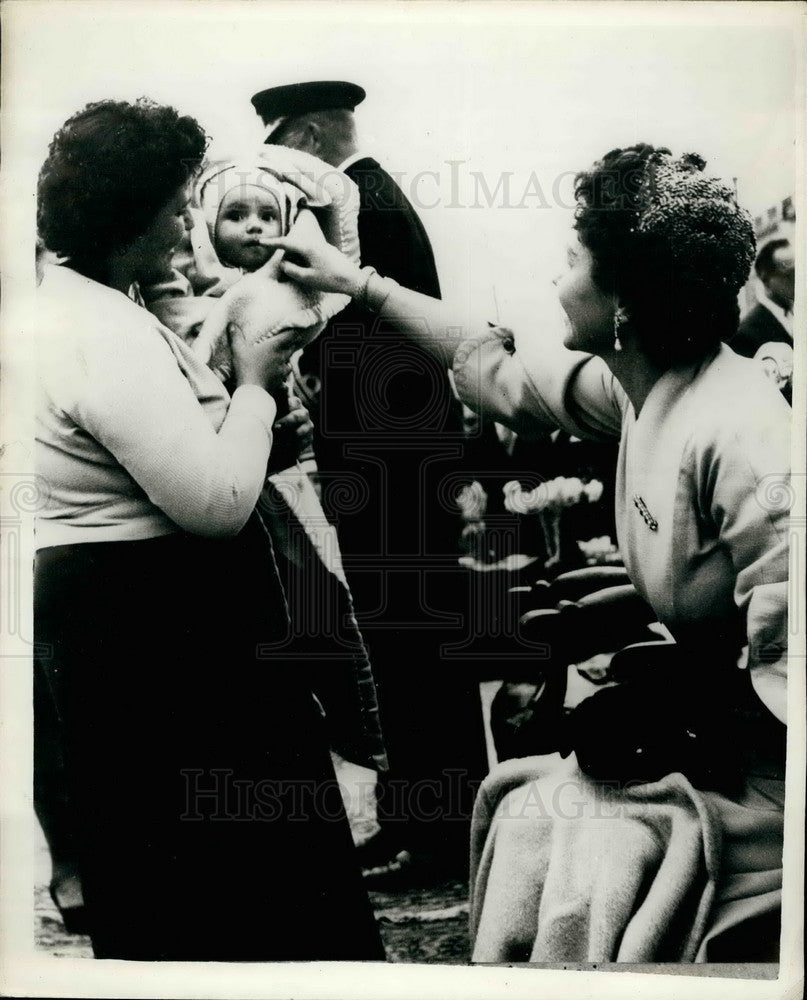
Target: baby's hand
292, 435
297, 424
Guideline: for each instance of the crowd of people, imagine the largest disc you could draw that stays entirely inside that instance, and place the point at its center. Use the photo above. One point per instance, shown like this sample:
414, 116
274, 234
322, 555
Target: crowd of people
273, 458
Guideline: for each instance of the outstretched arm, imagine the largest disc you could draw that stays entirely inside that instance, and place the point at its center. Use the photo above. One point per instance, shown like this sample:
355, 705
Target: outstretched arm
435, 325
530, 390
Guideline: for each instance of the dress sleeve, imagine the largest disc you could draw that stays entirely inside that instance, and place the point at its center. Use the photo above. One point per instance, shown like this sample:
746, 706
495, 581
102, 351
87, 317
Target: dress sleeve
133, 399
747, 480
536, 386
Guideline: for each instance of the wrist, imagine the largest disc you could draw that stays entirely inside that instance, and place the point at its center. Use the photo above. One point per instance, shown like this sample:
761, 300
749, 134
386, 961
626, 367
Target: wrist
357, 282
248, 378
372, 290
376, 292
362, 280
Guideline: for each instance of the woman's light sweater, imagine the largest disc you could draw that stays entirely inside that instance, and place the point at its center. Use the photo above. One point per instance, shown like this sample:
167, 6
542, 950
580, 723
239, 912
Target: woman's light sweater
701, 490
135, 437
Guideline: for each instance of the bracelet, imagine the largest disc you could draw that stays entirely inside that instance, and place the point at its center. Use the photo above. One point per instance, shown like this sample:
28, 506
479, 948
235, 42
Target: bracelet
361, 293
376, 292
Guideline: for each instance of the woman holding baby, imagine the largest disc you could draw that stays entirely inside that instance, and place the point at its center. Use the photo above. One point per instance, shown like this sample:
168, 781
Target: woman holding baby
210, 822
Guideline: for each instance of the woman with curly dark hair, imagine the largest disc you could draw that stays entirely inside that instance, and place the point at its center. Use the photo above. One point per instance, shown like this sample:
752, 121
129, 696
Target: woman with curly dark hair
209, 821
689, 865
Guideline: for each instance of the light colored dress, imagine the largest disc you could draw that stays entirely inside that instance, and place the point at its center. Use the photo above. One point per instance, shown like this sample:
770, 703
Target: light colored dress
702, 523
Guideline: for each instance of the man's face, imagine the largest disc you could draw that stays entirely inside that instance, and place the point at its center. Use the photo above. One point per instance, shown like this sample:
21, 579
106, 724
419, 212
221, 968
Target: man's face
780, 282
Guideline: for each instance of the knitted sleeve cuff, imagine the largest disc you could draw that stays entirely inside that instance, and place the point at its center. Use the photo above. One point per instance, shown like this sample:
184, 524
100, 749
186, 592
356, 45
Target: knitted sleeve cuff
252, 399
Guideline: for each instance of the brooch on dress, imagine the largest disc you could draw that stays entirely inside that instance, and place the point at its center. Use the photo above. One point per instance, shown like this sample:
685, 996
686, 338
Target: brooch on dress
641, 506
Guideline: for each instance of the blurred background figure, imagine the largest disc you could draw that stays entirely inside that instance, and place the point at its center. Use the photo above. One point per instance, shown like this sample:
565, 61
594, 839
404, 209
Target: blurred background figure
766, 332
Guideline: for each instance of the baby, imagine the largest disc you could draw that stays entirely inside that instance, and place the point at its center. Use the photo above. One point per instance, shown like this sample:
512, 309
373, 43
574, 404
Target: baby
247, 215
224, 274
242, 204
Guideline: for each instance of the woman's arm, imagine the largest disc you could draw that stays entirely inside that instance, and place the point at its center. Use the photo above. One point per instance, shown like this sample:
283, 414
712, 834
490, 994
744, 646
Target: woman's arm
132, 398
532, 389
437, 326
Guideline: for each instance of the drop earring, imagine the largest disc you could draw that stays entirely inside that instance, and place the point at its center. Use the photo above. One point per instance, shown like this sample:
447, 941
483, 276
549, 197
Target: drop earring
619, 319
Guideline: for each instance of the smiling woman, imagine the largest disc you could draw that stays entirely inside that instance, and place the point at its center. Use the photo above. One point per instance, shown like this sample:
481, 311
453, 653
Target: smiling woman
158, 242
650, 291
133, 202
589, 310
209, 822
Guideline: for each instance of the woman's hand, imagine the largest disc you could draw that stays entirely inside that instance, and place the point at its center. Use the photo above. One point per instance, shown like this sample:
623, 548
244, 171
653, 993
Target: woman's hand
314, 262
267, 363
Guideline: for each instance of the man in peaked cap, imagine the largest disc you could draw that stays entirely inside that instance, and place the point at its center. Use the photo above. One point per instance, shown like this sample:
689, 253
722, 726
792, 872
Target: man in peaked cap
389, 429
278, 104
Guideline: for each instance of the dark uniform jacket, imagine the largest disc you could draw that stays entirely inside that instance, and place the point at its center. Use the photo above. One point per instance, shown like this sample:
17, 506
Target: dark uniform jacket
759, 327
389, 429
389, 446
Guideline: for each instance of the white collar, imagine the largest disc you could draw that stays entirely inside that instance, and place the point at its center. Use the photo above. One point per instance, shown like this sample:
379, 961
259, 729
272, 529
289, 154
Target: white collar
786, 319
353, 158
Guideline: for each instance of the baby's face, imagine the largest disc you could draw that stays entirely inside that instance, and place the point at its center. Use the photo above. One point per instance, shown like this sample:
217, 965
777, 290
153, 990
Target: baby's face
247, 215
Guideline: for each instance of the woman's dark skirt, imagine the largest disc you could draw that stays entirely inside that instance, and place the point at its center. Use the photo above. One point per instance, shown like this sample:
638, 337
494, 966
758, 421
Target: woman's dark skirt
210, 823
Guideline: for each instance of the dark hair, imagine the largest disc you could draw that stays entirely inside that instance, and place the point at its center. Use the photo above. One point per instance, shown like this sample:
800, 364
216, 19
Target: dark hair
671, 244
765, 263
110, 169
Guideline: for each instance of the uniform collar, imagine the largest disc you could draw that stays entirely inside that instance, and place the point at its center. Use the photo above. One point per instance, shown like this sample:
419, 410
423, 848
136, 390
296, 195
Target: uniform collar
353, 158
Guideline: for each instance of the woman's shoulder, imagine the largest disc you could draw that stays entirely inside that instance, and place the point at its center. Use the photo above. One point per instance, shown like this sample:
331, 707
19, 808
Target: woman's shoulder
74, 291
78, 309
87, 331
737, 393
734, 406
